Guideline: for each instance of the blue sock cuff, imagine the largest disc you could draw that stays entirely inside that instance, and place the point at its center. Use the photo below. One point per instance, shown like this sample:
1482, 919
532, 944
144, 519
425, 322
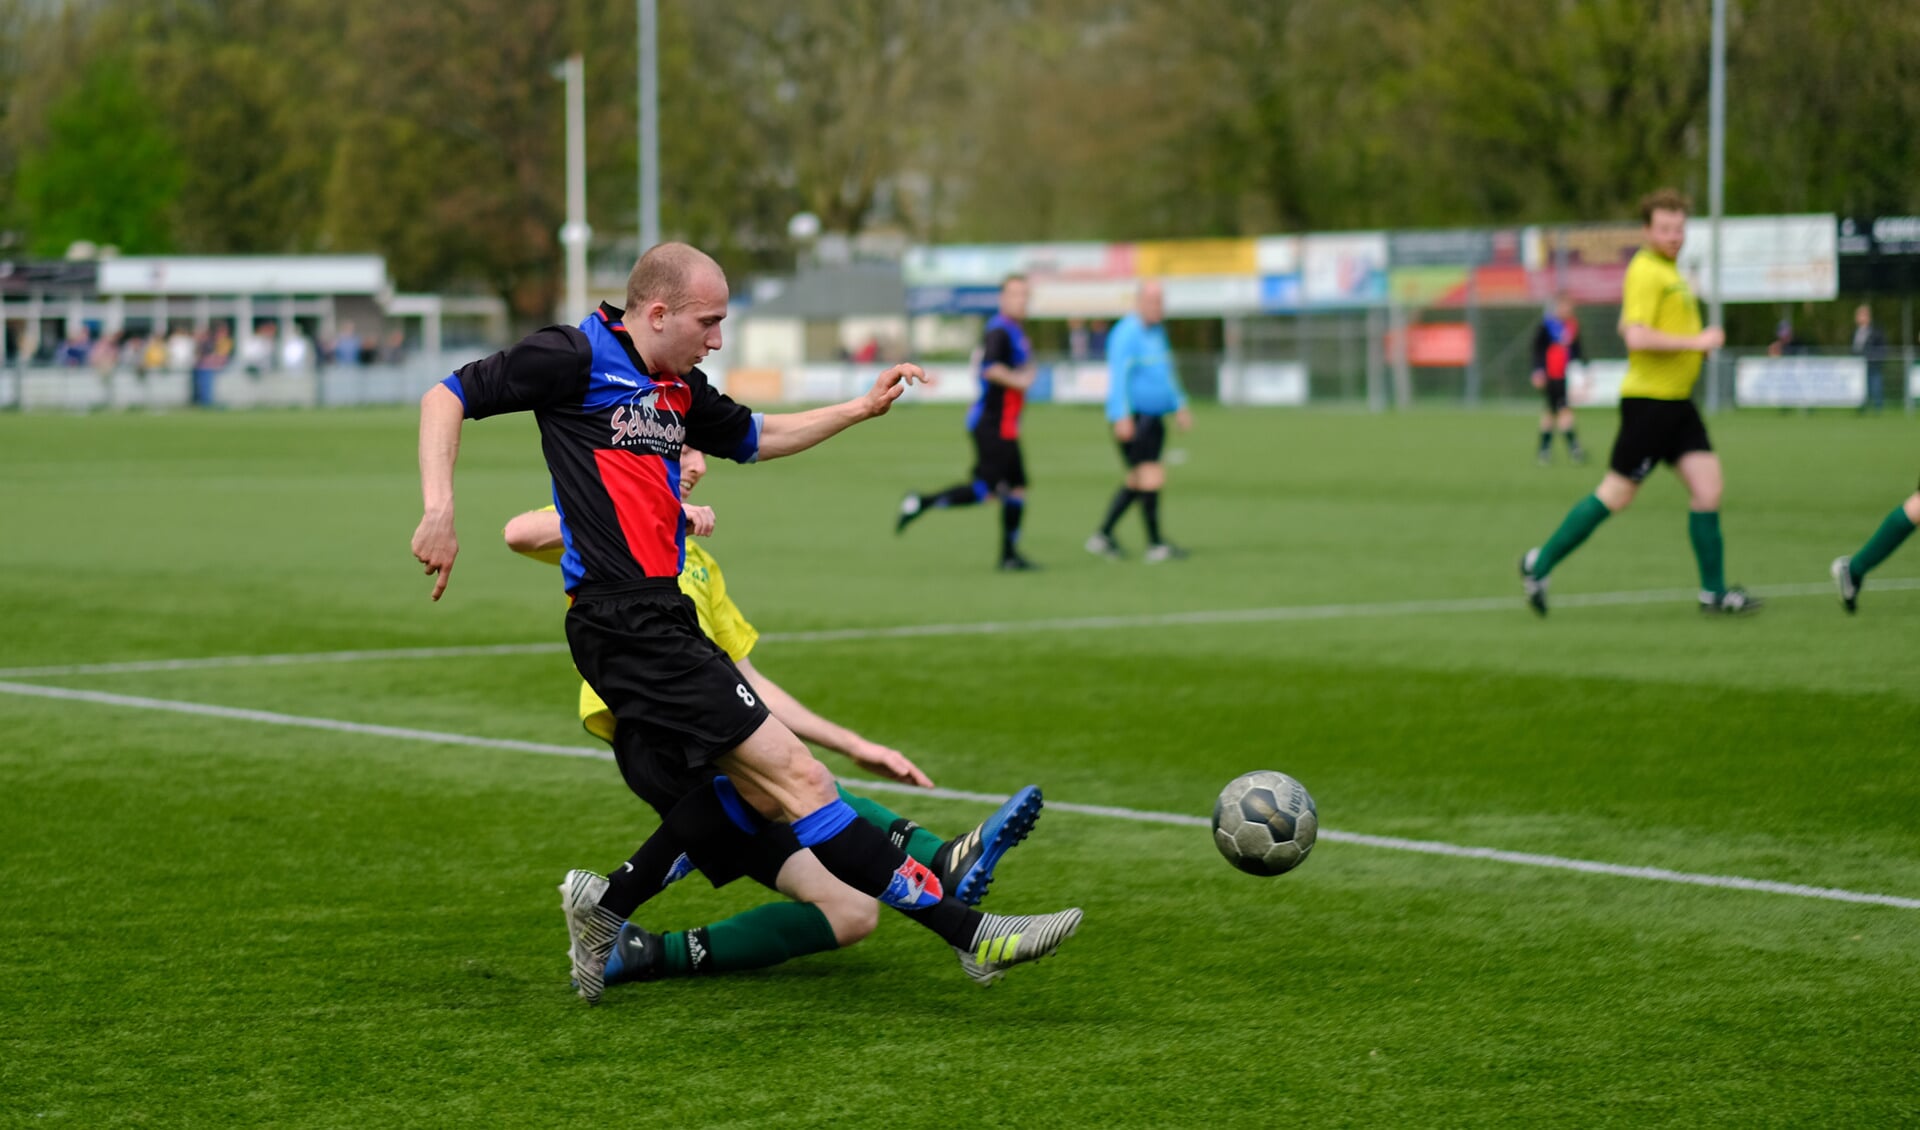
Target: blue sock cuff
1014, 501
738, 811
824, 823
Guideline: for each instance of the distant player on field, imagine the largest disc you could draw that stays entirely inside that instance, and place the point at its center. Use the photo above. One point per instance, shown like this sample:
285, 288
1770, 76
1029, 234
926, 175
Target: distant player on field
1849, 573
1142, 391
826, 913
1006, 373
1556, 346
1660, 321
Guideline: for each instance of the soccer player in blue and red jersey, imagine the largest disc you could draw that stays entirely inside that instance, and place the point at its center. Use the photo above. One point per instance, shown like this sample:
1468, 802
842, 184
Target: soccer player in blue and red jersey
1006, 372
615, 398
1556, 346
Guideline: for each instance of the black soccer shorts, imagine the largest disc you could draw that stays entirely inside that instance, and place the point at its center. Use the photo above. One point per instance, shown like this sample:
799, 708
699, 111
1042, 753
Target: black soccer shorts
1149, 439
997, 462
1653, 432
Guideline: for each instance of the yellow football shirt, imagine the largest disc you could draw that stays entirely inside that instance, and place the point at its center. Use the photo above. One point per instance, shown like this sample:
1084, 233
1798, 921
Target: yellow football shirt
721, 619
1657, 297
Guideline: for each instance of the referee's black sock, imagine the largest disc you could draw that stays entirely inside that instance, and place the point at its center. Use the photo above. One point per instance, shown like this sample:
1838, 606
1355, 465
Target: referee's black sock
1546, 440
1122, 499
1150, 510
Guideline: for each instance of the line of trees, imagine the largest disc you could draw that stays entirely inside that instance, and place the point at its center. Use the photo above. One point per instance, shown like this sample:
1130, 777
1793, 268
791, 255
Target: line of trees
430, 131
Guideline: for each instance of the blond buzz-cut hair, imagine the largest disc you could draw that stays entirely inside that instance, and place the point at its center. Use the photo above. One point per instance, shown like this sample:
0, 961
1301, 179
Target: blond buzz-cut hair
1664, 200
665, 274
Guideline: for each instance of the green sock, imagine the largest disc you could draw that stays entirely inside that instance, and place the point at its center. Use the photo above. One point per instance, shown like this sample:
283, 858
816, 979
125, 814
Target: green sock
1704, 530
910, 837
1884, 541
766, 935
1583, 519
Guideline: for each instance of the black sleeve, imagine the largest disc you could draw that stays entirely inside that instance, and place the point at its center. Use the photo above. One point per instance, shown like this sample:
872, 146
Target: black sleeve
1578, 350
1541, 339
545, 368
997, 349
719, 425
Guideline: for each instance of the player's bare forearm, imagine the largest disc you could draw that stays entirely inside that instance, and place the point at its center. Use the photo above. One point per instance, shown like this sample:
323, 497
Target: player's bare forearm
1646, 339
792, 432
811, 727
1019, 379
434, 542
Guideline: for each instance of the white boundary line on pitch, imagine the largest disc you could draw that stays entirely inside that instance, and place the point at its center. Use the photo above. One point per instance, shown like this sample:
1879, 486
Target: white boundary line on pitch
1390, 843
1281, 614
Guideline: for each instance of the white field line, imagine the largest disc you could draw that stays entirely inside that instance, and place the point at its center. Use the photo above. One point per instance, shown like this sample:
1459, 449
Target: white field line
1390, 843
1282, 614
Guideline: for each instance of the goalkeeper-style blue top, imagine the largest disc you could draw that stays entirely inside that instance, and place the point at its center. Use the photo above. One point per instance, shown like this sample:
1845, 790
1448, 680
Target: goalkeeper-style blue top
1140, 376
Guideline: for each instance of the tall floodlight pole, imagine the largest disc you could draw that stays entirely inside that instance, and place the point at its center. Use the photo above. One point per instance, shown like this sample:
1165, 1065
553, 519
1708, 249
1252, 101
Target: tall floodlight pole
649, 125
575, 234
1716, 185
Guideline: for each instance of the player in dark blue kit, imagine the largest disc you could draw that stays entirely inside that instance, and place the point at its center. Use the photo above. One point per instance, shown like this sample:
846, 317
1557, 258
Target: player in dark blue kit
615, 398
1006, 372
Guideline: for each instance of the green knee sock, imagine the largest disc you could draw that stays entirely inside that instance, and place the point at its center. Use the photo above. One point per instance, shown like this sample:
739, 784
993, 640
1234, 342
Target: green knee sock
911, 838
1704, 531
1884, 541
1583, 519
766, 935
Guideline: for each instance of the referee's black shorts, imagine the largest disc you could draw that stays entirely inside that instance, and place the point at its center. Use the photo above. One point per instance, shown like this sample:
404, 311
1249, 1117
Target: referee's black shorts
1556, 394
997, 461
1149, 439
1653, 432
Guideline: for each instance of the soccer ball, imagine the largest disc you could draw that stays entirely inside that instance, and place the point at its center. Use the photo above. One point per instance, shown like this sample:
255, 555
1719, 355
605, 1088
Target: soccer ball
1265, 823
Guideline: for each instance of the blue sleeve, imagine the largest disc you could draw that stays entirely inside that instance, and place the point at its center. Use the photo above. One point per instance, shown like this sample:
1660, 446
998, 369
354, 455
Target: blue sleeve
1120, 350
452, 384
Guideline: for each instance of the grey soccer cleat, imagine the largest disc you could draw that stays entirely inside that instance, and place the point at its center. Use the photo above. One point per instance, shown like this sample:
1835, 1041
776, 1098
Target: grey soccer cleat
1736, 601
911, 507
1100, 545
1534, 587
590, 932
1163, 551
1004, 941
1847, 583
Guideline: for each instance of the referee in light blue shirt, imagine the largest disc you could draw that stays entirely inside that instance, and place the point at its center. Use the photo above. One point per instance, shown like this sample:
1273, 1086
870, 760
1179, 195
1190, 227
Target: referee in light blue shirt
1142, 391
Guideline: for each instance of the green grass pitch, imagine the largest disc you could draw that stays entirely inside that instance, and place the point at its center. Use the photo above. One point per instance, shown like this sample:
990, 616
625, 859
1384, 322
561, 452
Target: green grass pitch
216, 920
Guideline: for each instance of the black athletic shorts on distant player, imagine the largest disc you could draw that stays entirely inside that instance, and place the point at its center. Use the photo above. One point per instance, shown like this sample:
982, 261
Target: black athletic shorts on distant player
1653, 432
997, 462
1149, 439
1556, 393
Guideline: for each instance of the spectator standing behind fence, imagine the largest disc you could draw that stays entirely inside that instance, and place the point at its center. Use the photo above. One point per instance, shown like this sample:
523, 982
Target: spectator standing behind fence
215, 349
1556, 346
75, 350
257, 349
1870, 343
182, 351
296, 352
346, 347
155, 355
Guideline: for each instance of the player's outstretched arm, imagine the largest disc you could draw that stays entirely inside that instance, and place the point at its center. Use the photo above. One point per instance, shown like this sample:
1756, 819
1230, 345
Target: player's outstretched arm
791, 432
434, 542
808, 726
1646, 339
536, 533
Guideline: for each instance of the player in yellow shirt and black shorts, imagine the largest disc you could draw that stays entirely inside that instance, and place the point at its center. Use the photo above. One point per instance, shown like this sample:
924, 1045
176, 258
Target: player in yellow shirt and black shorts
1660, 322
825, 913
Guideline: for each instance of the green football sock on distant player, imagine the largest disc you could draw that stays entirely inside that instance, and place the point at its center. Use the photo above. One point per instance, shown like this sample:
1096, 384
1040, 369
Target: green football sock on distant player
1884, 541
918, 842
1583, 519
766, 935
1703, 529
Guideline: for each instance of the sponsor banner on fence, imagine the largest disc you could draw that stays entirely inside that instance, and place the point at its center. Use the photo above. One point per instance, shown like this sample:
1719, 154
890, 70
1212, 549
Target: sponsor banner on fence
1800, 382
1455, 247
1081, 298
1212, 295
1435, 345
1279, 294
1264, 383
1349, 269
986, 264
1166, 258
1766, 258
1080, 382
